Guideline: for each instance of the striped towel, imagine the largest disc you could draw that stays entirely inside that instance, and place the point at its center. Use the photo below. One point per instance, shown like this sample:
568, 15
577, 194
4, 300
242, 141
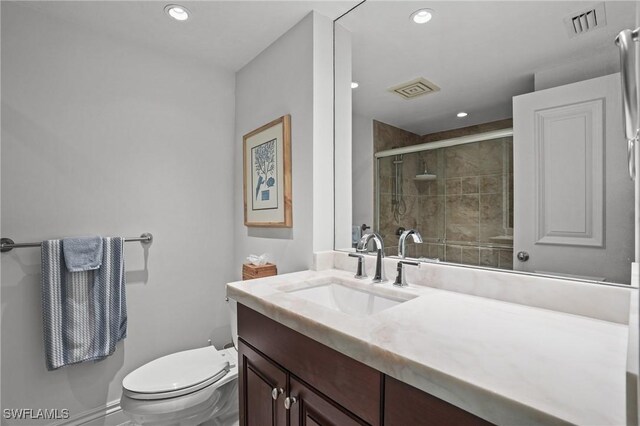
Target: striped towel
84, 313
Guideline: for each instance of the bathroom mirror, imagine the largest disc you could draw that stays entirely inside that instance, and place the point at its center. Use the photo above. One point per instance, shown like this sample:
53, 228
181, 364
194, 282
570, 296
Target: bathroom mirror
494, 129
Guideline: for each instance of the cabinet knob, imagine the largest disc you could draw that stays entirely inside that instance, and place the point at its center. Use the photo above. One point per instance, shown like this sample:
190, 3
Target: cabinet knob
522, 256
276, 392
289, 401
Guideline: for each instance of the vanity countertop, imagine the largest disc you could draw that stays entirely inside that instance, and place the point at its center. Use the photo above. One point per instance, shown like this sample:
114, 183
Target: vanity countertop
505, 362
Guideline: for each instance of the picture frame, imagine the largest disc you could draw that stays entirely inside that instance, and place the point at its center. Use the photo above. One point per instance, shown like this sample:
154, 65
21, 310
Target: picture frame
267, 175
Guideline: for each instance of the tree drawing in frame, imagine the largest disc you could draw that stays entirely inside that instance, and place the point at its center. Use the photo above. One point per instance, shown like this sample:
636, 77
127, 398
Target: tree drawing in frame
267, 175
264, 164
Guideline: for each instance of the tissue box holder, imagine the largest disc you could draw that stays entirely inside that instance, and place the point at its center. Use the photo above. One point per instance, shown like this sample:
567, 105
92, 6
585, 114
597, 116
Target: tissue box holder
250, 272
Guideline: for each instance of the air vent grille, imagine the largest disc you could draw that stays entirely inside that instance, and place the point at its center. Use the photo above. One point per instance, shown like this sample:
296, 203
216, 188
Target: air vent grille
585, 21
414, 88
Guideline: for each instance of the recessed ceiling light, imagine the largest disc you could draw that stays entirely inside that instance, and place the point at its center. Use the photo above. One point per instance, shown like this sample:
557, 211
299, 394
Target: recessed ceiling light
422, 16
177, 12
462, 114
354, 84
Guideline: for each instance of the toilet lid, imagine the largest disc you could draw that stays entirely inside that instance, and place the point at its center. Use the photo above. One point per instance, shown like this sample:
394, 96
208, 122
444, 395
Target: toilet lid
177, 371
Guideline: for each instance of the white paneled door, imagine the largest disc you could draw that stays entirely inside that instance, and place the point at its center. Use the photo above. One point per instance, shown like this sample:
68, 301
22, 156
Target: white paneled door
573, 199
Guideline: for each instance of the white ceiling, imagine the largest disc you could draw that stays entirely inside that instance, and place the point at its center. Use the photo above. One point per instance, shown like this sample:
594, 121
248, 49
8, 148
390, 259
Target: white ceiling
480, 54
222, 33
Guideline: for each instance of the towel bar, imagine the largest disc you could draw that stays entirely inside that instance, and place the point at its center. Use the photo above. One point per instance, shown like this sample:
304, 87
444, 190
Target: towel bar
7, 244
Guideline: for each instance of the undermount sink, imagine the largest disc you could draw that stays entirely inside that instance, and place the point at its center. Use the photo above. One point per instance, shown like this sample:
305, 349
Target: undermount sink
348, 300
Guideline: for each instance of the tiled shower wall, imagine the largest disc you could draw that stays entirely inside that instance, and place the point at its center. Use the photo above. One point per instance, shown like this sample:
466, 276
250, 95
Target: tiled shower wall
466, 214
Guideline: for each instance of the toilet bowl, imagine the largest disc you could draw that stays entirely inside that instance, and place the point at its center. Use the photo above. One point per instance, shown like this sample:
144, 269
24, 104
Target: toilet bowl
189, 388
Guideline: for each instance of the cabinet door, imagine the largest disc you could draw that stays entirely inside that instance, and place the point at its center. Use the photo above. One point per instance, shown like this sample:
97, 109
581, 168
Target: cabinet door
405, 405
262, 386
311, 409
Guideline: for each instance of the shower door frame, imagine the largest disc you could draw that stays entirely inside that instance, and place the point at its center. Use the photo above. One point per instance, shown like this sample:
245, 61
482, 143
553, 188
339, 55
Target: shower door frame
428, 146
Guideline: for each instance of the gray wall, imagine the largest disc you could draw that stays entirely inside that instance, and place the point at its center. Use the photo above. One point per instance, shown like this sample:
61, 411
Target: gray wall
102, 137
363, 185
289, 77
344, 185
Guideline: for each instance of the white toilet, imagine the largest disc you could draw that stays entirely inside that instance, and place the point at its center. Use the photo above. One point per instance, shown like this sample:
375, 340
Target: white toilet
189, 388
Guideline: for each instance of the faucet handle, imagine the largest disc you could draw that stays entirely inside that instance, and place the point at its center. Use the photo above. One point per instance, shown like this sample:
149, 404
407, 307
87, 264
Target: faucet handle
401, 280
360, 273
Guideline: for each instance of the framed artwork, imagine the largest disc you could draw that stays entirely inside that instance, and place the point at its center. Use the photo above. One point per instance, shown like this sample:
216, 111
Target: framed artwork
267, 175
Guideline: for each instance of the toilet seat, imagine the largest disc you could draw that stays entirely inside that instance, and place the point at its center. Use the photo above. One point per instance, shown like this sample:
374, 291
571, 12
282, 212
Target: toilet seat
177, 374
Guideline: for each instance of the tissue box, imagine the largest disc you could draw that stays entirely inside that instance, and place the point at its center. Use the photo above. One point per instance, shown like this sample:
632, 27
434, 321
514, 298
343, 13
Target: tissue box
250, 272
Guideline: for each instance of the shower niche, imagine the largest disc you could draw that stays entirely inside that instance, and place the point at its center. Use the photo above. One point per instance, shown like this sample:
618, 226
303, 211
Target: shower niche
457, 192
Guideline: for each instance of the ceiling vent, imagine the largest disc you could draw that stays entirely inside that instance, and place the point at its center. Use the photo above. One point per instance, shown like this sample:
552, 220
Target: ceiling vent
414, 88
585, 21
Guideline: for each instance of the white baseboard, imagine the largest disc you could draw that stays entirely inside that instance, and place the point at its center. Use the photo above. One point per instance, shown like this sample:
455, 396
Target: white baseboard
108, 415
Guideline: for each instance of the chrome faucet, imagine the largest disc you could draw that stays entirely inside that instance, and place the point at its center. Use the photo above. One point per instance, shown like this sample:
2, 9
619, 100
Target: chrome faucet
415, 235
362, 248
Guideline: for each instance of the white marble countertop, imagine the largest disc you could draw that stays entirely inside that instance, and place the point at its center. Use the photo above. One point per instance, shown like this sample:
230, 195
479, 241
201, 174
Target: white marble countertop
507, 363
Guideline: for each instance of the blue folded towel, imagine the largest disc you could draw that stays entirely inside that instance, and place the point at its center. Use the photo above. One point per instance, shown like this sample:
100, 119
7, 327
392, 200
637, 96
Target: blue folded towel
84, 313
82, 253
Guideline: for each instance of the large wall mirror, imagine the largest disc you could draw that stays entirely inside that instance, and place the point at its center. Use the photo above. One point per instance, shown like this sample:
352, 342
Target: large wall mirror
494, 129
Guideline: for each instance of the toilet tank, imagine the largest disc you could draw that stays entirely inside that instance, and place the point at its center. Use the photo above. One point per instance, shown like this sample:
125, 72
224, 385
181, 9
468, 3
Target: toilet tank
233, 315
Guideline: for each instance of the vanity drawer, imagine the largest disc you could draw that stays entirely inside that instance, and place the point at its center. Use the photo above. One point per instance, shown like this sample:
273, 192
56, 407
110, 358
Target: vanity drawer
406, 405
351, 384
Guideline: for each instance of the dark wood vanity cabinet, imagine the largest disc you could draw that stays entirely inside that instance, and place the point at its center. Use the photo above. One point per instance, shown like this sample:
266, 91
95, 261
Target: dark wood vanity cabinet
329, 388
288, 379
